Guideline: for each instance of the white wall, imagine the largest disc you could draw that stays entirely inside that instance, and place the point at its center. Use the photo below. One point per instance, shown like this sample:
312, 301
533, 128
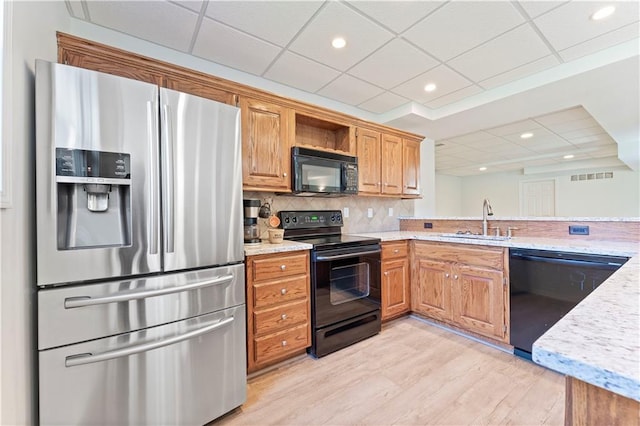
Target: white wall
33, 36
426, 206
448, 195
616, 197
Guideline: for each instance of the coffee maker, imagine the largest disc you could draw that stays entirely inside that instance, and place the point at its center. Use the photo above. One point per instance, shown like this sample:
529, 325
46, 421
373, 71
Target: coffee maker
251, 211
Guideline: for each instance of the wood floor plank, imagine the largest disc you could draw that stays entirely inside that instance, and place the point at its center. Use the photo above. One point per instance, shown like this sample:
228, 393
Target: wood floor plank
412, 373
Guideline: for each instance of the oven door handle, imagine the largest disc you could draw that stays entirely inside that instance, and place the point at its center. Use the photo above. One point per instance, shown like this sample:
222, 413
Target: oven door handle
321, 258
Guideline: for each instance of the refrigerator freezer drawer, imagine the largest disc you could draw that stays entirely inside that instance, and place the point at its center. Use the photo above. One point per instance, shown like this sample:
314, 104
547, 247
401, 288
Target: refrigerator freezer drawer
69, 315
184, 373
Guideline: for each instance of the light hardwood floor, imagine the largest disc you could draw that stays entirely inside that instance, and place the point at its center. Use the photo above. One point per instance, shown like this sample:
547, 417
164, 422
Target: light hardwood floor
411, 373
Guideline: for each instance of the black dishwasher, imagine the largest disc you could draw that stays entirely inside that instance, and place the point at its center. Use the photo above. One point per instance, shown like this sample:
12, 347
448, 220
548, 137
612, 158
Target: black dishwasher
545, 285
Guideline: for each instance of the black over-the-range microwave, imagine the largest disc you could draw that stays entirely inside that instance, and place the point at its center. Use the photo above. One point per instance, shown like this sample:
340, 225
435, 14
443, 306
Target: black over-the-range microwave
317, 172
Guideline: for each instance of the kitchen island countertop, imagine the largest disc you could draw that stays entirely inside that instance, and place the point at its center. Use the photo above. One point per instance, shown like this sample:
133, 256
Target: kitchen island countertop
598, 341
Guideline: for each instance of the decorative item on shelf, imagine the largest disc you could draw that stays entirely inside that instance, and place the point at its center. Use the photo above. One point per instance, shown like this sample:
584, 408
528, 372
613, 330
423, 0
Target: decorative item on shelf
265, 210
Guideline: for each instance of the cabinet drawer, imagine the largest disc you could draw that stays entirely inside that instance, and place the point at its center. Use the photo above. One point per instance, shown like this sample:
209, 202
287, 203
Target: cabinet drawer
275, 345
281, 291
281, 316
395, 250
271, 267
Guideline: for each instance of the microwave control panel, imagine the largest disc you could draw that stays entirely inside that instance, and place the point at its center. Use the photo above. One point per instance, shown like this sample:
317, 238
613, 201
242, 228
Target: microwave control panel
350, 178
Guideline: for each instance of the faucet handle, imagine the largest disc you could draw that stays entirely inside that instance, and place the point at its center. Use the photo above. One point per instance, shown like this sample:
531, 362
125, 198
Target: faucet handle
509, 229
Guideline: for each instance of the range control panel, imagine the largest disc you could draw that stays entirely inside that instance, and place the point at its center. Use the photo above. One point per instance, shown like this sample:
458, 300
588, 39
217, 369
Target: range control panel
310, 219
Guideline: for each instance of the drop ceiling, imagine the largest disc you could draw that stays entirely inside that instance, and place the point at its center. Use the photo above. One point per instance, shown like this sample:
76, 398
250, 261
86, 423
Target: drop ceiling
479, 54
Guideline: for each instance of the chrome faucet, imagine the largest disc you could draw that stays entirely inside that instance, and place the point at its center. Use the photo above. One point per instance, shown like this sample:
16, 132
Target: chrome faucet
486, 211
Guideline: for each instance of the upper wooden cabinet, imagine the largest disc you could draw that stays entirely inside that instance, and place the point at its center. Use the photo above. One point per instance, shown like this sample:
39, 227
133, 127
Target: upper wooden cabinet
410, 167
387, 164
368, 151
389, 160
266, 158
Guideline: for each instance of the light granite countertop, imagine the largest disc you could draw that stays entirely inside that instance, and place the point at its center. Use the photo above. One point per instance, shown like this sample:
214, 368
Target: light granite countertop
533, 218
266, 247
598, 341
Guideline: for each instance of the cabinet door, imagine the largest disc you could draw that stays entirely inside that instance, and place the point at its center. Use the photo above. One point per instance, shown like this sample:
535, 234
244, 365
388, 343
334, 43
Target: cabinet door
266, 160
431, 289
478, 300
368, 150
395, 288
391, 165
410, 167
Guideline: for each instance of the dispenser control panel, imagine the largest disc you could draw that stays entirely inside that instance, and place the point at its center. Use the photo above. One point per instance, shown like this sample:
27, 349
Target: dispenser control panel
92, 166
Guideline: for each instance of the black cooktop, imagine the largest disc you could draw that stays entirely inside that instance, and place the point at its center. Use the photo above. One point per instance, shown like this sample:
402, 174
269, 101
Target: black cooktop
335, 241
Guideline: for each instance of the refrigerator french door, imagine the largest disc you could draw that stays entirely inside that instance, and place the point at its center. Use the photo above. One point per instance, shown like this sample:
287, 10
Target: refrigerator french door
139, 252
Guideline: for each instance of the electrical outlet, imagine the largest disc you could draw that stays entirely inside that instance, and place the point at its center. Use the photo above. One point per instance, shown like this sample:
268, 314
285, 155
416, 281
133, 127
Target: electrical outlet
369, 212
391, 211
345, 212
428, 225
578, 230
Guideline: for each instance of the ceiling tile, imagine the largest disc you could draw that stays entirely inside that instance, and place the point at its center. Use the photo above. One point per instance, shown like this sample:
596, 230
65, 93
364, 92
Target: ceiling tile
492, 143
350, 90
558, 145
396, 15
591, 131
540, 134
301, 73
194, 5
383, 103
520, 72
536, 7
471, 138
602, 42
147, 20
274, 21
407, 63
461, 25
227, 46
447, 81
362, 36
569, 24
517, 127
76, 9
591, 141
454, 97
583, 123
511, 50
571, 114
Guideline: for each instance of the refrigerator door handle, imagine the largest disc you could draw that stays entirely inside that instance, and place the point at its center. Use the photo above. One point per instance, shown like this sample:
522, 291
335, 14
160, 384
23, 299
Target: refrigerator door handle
154, 228
167, 141
82, 301
83, 359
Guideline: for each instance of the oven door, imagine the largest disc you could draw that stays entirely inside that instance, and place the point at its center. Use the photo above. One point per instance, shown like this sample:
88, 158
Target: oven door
345, 283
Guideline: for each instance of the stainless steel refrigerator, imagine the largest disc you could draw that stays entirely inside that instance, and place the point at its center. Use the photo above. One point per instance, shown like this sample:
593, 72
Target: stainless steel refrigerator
140, 274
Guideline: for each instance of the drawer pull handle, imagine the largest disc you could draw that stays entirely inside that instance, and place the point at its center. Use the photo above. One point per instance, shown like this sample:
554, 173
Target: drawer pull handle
284, 343
283, 291
283, 267
455, 277
396, 251
283, 316
446, 275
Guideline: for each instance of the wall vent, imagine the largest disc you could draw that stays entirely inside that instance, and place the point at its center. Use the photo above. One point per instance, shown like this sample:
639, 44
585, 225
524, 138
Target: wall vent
592, 176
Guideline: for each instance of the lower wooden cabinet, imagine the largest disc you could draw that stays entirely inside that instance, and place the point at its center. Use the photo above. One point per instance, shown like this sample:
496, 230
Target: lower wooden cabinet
396, 278
278, 307
462, 285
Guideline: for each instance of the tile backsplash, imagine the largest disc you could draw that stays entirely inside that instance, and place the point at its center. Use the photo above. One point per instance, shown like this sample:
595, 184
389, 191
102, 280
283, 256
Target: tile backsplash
358, 209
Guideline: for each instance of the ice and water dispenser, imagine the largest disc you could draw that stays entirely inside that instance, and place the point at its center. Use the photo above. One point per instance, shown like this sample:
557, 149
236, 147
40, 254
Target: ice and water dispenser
94, 198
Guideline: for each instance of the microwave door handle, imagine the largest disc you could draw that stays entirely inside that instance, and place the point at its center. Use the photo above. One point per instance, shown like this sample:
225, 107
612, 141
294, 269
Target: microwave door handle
83, 359
322, 258
82, 301
167, 140
152, 135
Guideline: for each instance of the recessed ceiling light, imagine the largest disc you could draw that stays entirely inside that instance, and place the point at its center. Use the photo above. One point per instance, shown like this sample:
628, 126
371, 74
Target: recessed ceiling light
482, 169
603, 13
338, 42
568, 156
430, 87
526, 135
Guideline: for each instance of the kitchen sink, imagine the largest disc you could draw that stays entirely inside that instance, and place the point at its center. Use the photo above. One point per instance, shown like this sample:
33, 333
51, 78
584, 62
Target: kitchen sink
476, 236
